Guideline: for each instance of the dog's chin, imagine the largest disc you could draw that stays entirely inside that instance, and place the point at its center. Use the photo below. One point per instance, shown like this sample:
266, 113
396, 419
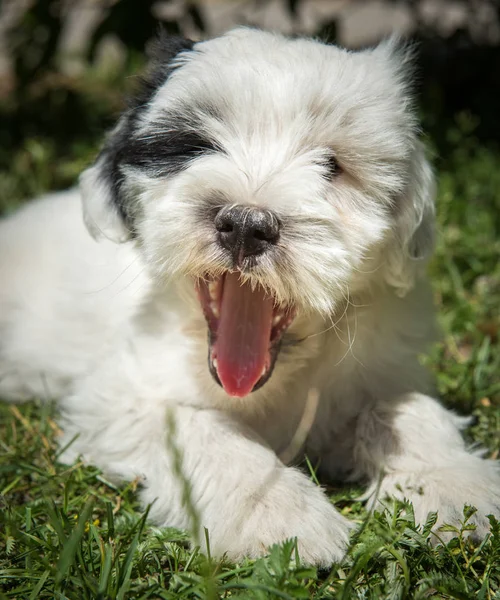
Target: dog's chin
245, 328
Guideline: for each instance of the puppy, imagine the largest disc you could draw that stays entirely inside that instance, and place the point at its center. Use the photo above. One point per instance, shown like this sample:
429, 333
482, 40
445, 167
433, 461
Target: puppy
265, 212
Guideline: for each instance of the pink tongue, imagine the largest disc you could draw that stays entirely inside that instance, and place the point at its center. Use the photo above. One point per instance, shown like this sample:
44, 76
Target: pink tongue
242, 345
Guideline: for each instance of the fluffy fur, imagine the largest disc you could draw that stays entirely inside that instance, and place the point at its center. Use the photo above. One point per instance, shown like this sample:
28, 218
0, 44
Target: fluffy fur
324, 138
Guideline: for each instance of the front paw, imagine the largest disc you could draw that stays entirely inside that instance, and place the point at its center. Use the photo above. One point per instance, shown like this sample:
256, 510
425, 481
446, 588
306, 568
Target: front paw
446, 492
287, 505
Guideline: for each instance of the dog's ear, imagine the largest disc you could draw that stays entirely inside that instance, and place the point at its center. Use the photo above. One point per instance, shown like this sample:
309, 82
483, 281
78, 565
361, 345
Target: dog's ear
413, 234
413, 240
107, 210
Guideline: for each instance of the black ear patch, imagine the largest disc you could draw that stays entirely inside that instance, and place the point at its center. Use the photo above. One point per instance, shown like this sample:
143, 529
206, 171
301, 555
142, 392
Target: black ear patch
119, 148
165, 49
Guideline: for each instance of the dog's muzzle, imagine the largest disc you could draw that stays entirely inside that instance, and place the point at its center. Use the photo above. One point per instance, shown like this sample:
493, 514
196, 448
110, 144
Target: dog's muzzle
245, 322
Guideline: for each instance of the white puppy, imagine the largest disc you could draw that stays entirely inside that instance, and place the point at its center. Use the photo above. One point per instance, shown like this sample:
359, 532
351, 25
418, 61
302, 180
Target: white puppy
278, 212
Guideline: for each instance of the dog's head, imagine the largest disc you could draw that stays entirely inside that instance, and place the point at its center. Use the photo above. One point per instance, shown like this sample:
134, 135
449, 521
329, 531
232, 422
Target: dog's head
280, 175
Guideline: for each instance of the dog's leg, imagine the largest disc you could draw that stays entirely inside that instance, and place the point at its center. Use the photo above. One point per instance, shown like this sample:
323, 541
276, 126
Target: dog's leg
241, 492
245, 496
412, 449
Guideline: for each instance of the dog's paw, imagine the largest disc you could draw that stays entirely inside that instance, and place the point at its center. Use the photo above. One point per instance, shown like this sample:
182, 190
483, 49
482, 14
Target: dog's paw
446, 492
286, 506
452, 516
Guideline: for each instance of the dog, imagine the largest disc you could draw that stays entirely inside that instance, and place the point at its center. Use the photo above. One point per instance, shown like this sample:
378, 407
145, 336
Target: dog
264, 211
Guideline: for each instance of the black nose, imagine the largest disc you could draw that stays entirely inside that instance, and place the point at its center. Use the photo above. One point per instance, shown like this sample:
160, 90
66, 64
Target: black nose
246, 230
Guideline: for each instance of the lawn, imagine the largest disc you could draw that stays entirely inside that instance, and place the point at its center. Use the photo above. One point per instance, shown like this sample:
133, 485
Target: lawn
66, 532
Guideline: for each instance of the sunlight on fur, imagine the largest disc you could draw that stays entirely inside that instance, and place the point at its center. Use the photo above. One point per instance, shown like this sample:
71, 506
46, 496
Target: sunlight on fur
260, 220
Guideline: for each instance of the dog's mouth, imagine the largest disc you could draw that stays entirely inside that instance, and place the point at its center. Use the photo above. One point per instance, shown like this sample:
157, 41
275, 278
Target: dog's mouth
245, 328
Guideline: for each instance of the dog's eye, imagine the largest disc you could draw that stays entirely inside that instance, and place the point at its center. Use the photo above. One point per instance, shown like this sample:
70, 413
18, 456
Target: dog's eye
332, 167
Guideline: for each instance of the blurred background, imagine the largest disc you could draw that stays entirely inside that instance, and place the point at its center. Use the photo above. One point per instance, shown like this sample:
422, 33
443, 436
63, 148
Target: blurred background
65, 66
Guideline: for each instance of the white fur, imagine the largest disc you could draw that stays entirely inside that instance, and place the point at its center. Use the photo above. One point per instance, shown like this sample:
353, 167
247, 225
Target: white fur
116, 332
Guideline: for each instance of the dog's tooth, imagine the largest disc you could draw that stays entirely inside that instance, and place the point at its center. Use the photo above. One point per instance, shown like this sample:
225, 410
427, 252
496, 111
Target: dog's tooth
277, 319
212, 288
214, 362
263, 371
215, 309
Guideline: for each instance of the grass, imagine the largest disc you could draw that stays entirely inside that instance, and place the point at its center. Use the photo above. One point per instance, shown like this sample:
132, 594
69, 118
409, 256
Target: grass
66, 532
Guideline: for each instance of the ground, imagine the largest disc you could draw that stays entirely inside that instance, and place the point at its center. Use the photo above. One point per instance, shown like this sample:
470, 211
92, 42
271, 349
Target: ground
66, 532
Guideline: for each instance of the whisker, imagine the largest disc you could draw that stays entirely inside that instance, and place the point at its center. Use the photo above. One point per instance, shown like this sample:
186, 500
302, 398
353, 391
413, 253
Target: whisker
351, 338
332, 326
108, 285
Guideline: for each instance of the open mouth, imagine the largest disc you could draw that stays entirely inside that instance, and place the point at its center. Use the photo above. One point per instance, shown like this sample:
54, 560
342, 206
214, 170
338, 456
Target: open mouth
245, 328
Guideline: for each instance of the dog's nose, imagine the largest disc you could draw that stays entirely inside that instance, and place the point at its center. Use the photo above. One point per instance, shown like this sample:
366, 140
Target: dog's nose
246, 230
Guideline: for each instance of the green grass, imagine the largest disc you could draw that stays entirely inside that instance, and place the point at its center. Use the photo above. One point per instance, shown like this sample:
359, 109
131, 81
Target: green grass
66, 532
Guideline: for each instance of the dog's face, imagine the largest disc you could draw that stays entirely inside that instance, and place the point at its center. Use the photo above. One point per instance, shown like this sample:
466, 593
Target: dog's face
278, 176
